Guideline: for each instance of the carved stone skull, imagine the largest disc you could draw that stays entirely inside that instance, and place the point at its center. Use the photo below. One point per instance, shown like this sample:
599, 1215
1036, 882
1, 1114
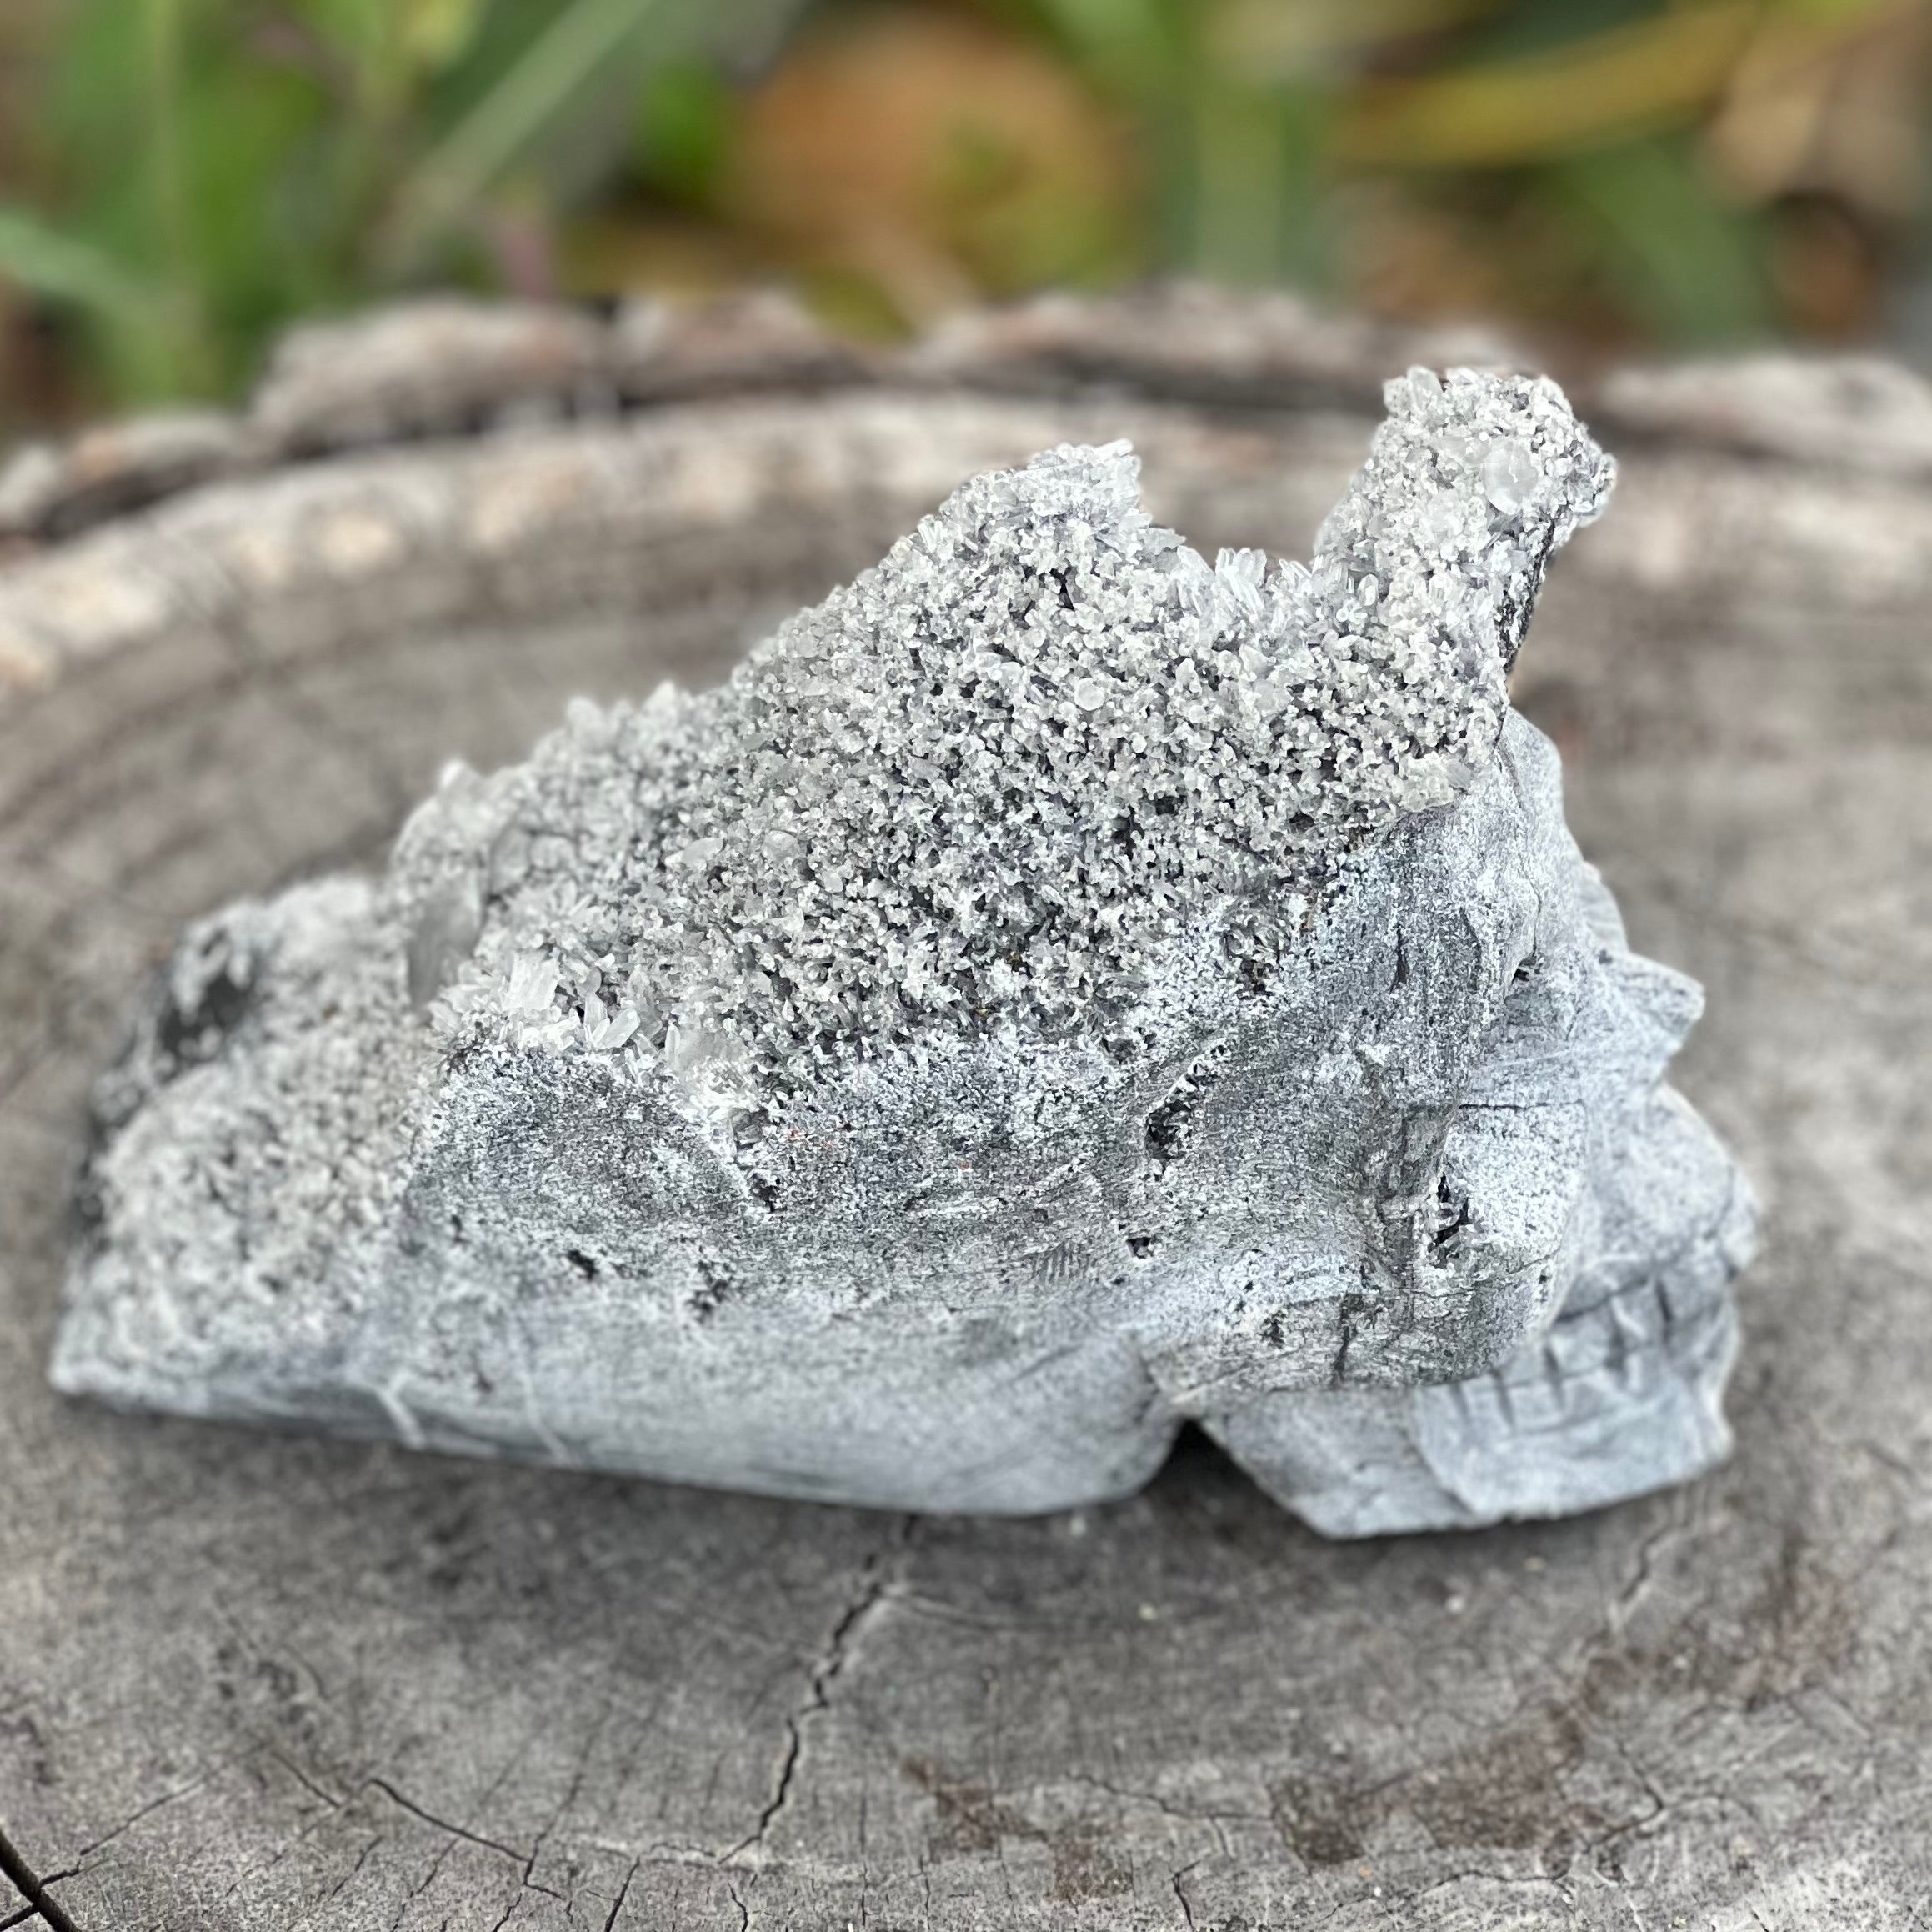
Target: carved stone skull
1055, 989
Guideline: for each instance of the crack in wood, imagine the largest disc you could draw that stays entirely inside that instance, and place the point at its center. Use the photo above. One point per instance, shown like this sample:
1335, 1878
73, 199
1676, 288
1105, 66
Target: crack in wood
826, 1669
430, 1818
1181, 1896
623, 1893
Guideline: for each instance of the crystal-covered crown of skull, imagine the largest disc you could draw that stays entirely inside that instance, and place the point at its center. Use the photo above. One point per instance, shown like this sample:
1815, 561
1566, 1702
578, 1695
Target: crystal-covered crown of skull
1055, 987
992, 783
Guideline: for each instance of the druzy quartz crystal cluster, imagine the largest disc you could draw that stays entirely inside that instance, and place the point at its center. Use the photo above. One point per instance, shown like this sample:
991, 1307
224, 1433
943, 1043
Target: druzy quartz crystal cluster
1055, 988
984, 787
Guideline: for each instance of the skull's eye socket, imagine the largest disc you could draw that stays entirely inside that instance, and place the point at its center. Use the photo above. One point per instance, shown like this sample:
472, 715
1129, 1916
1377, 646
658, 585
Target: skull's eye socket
1541, 994
1451, 1216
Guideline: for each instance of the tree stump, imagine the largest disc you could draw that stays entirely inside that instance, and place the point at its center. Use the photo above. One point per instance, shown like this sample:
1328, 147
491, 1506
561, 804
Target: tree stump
259, 1681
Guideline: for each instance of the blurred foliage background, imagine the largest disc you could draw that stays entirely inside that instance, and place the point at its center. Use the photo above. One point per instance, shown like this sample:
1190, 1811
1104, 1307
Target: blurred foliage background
180, 177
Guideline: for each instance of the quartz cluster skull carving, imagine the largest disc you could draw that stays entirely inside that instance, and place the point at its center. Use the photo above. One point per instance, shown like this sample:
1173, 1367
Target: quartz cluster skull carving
1055, 988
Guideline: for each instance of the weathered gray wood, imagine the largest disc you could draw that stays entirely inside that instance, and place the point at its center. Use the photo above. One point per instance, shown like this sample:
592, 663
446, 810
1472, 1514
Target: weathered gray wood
249, 1681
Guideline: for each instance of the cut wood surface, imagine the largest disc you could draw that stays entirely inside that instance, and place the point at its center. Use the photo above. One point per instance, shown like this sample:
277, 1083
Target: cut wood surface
253, 1682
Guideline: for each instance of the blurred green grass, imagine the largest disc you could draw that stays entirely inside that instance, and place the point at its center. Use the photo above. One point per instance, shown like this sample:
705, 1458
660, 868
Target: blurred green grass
180, 178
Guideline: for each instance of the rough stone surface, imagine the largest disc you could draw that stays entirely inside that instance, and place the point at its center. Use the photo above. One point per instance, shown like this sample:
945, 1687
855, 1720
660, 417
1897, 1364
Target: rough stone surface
1055, 988
252, 1682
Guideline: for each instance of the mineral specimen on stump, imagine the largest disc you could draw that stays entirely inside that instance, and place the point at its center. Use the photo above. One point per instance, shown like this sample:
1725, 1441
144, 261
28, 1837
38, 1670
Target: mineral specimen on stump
1057, 988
